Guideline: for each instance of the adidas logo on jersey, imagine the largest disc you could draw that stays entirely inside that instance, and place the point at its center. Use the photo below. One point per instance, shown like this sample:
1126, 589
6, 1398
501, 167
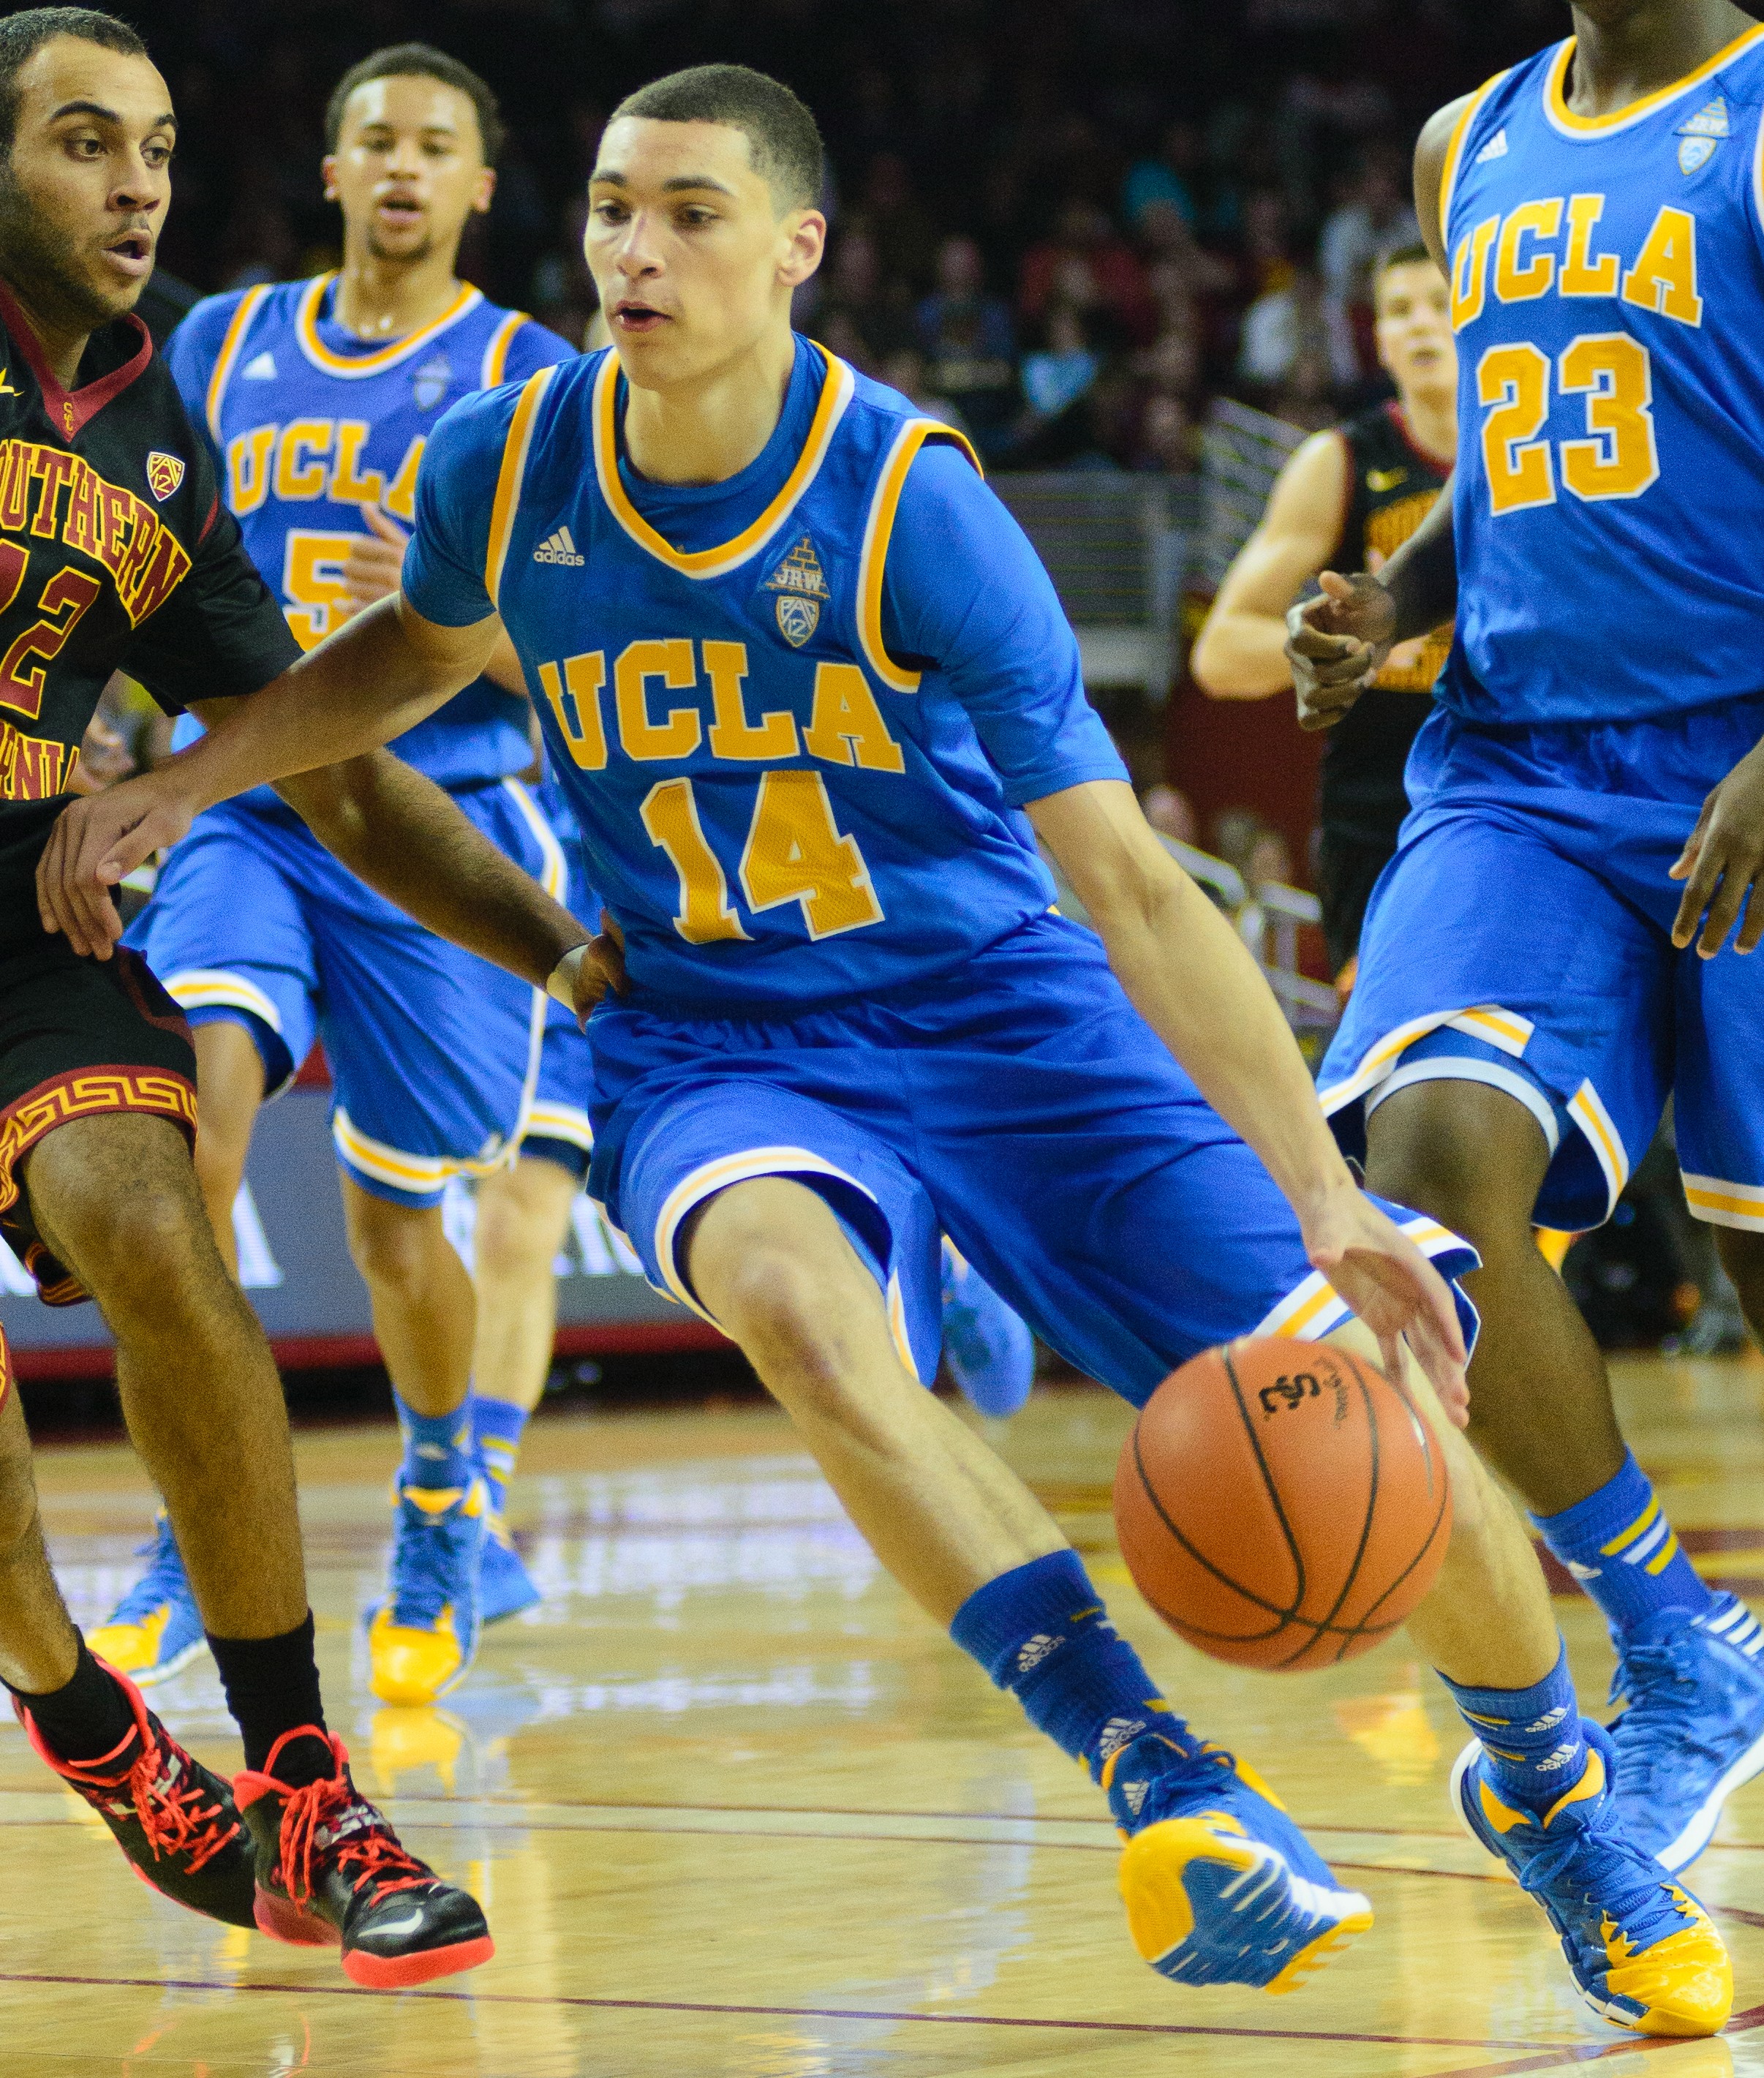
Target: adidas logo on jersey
558, 548
1494, 148
262, 369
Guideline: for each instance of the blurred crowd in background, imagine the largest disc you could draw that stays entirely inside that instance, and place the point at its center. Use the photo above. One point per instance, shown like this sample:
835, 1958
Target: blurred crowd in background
1064, 224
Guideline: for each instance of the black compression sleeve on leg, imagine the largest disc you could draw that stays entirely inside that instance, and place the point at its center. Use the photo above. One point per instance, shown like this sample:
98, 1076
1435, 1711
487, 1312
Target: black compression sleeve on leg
85, 1720
272, 1685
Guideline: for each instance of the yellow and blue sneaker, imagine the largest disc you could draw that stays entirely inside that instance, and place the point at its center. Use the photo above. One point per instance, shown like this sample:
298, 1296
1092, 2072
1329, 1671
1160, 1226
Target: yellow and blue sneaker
155, 1630
1693, 1728
1221, 1886
988, 1350
1643, 1952
423, 1638
505, 1586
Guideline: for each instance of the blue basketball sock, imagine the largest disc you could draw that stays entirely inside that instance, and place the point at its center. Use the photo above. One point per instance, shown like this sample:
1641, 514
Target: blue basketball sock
1535, 1744
497, 1428
1624, 1553
437, 1451
1040, 1630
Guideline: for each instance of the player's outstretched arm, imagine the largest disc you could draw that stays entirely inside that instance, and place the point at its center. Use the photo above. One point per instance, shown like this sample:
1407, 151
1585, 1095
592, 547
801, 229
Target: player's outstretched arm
1195, 983
377, 677
1241, 654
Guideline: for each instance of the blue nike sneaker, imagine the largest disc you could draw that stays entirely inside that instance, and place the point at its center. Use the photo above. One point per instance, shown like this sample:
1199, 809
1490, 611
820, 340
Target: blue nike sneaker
505, 1586
990, 1351
1642, 1950
1221, 1887
1693, 1728
423, 1638
155, 1630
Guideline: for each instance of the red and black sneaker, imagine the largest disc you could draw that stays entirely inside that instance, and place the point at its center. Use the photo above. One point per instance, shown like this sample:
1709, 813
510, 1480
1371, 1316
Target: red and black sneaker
330, 1869
175, 1821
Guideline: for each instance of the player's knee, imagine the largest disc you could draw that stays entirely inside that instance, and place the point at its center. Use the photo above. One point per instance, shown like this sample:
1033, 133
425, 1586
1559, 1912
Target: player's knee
145, 1233
1471, 1157
774, 1306
393, 1246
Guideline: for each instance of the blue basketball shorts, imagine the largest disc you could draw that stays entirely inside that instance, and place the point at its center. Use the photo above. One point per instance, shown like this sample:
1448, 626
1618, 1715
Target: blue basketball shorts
435, 1054
557, 1127
1521, 938
1022, 1108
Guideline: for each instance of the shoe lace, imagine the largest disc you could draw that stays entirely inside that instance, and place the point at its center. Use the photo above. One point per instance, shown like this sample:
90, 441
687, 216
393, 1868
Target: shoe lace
1665, 1721
371, 1853
1581, 1865
178, 1816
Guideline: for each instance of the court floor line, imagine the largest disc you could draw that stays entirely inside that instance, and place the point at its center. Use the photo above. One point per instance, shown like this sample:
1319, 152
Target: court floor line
793, 2012
1601, 2052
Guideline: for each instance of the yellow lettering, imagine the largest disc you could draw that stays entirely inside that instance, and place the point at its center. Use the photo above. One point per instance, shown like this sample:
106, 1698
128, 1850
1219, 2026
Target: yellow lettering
670, 814
1664, 277
732, 735
846, 727
349, 487
671, 662
296, 477
1620, 459
315, 597
794, 853
575, 700
1469, 273
1582, 275
1517, 283
1514, 382
400, 499
248, 467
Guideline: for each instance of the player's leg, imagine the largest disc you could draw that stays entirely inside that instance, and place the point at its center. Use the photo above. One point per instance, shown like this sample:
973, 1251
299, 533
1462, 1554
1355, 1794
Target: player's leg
523, 1215
435, 1058
226, 929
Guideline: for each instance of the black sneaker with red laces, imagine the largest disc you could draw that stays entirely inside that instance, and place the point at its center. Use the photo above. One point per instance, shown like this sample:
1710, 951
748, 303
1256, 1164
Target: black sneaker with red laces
330, 1870
175, 1821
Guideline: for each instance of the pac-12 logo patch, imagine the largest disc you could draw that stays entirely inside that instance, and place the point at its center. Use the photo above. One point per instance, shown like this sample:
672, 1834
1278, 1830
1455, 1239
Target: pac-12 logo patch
801, 586
164, 472
1698, 137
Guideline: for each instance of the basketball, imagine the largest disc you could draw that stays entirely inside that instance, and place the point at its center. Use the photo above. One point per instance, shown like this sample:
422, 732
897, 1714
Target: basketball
1280, 1505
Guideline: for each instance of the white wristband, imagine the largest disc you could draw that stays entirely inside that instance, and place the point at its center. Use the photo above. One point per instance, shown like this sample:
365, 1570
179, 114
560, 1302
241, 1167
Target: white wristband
562, 981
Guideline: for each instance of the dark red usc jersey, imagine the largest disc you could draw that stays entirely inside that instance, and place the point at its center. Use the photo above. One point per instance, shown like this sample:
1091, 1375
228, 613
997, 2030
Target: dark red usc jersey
115, 554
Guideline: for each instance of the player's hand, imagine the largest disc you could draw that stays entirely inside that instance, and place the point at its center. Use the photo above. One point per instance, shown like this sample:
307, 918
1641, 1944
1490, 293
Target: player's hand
93, 844
585, 972
1395, 1289
1721, 862
374, 566
1336, 645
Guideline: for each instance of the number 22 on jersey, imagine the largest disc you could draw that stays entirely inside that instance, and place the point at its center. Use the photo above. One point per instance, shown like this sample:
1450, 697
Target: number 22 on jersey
1617, 458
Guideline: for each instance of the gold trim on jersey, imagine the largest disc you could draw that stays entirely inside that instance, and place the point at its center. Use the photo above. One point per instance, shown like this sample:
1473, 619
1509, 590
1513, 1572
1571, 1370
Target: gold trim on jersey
878, 529
354, 365
496, 354
1563, 118
1454, 153
249, 304
836, 393
509, 479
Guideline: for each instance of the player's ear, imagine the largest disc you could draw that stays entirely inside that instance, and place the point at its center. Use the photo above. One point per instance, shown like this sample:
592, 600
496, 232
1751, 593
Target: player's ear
327, 174
483, 188
803, 235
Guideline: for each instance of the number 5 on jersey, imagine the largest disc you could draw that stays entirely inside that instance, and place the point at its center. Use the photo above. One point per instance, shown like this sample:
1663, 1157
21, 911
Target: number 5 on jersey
1619, 458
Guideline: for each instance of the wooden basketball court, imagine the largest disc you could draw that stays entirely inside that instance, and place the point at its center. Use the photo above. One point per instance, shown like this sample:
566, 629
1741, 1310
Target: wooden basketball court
737, 1811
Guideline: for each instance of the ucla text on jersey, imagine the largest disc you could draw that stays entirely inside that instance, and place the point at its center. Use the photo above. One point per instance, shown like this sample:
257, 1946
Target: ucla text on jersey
311, 424
1608, 291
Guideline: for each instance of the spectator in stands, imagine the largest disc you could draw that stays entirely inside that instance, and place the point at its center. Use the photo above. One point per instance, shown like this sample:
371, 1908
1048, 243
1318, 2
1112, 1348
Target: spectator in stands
1171, 812
905, 237
968, 343
1169, 439
1169, 178
1267, 236
1086, 265
1283, 328
1255, 848
1374, 218
863, 317
905, 371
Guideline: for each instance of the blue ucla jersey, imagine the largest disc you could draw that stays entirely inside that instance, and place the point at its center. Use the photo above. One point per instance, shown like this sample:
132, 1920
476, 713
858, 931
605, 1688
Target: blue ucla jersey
797, 714
1608, 291
310, 424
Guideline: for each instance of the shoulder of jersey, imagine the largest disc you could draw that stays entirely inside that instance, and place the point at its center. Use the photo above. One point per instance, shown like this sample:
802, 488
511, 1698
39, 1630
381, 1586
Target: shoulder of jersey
533, 346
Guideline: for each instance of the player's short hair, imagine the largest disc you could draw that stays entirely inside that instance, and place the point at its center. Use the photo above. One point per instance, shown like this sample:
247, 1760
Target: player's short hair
23, 35
781, 135
420, 61
1415, 254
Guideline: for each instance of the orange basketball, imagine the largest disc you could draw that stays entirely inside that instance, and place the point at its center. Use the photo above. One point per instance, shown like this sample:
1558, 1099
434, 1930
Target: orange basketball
1280, 1505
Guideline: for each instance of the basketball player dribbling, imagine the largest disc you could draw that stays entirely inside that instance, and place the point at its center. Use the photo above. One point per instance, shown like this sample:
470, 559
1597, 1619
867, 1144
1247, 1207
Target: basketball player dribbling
808, 694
